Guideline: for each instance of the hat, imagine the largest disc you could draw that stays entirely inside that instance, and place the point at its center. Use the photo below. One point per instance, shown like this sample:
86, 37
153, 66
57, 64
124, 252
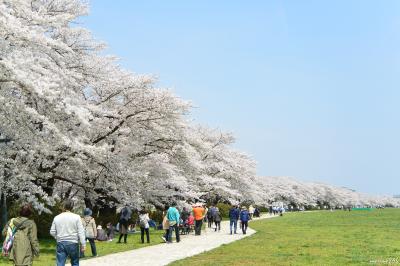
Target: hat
87, 212
244, 208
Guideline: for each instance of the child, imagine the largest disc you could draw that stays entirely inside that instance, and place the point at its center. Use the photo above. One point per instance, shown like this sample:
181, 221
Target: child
165, 225
190, 222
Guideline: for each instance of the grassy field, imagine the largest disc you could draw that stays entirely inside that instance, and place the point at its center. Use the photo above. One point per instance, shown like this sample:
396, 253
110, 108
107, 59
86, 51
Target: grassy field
314, 238
48, 252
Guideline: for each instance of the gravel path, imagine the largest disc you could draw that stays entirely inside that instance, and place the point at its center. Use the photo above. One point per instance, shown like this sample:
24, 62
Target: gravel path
164, 254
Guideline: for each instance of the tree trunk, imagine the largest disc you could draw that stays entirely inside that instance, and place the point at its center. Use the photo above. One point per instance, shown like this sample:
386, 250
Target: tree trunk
4, 212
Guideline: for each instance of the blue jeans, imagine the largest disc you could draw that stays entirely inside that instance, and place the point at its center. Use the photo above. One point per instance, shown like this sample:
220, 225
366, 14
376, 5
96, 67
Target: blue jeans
234, 224
65, 250
176, 229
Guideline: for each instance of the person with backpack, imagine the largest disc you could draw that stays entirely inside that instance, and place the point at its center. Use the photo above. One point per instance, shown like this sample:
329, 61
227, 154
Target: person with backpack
144, 225
67, 229
21, 243
217, 219
126, 213
90, 228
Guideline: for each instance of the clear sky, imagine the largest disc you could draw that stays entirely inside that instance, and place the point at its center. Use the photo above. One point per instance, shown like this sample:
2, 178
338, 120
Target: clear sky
309, 88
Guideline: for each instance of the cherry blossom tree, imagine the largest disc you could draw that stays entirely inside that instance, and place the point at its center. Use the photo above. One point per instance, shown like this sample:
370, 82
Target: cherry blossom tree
74, 124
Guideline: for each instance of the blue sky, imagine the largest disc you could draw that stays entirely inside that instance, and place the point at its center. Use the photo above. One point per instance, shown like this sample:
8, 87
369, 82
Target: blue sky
309, 88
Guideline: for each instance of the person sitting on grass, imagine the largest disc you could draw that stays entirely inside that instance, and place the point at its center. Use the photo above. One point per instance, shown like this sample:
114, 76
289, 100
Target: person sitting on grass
101, 234
190, 222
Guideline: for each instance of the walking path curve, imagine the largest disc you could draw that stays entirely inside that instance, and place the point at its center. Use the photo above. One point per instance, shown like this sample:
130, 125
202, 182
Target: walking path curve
164, 254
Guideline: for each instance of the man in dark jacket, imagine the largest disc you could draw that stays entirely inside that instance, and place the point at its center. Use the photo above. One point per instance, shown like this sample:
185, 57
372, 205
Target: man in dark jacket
233, 218
244, 219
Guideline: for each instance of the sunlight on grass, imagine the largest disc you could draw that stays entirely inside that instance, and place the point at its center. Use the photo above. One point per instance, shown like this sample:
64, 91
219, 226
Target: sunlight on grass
317, 238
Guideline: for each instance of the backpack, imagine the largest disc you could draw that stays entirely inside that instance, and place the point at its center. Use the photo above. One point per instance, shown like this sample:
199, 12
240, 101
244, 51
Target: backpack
88, 233
143, 221
9, 241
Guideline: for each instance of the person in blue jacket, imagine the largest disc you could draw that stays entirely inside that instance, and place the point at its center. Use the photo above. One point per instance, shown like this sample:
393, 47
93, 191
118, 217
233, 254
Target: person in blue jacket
173, 219
233, 218
244, 219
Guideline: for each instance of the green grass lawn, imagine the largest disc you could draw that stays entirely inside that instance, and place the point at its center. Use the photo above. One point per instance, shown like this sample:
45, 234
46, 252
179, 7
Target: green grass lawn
48, 253
314, 238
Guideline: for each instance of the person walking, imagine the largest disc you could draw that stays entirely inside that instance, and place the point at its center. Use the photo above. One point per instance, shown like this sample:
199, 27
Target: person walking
199, 214
126, 213
165, 224
68, 231
244, 219
251, 211
281, 211
209, 215
89, 225
233, 218
144, 225
26, 245
173, 219
217, 219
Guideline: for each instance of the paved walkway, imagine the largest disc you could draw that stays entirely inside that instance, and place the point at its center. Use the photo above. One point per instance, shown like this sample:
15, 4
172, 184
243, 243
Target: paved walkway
164, 254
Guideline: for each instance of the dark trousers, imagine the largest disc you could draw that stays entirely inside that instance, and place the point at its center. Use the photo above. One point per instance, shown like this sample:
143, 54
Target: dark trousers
244, 226
176, 229
197, 227
217, 225
142, 230
123, 223
210, 221
166, 234
120, 237
92, 247
65, 250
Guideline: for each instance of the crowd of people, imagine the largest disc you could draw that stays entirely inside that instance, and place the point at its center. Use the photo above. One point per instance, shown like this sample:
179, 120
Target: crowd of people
72, 232
276, 210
